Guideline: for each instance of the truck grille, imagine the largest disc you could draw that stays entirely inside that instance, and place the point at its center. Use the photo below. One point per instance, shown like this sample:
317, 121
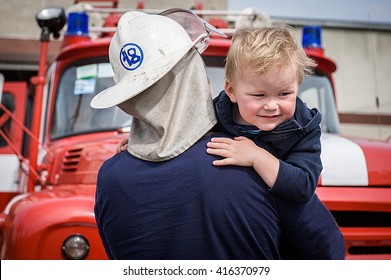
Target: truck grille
361, 219
71, 160
369, 250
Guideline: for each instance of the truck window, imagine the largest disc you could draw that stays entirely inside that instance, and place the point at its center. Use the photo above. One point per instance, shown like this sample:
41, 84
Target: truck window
8, 101
216, 78
317, 92
73, 114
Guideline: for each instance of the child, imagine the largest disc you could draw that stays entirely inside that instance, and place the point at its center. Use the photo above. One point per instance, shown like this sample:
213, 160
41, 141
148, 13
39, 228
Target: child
264, 69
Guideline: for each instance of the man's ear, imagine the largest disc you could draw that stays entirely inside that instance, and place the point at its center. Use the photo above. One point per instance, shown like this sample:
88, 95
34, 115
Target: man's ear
229, 90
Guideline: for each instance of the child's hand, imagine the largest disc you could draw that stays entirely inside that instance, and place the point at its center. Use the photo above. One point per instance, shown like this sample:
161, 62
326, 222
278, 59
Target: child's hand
122, 146
238, 151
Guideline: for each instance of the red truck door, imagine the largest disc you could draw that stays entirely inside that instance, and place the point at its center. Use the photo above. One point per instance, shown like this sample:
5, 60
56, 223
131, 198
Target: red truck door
13, 99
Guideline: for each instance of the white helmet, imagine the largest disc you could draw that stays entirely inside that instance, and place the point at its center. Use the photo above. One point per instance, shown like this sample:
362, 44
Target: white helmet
143, 49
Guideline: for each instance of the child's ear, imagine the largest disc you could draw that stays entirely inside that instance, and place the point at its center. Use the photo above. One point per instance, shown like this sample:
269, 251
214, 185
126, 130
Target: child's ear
229, 90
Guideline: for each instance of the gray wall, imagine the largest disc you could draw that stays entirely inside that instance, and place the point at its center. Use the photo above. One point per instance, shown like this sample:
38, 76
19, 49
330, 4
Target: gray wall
362, 79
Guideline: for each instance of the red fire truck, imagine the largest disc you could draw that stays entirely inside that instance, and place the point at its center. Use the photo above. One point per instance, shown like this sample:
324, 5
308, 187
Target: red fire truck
52, 148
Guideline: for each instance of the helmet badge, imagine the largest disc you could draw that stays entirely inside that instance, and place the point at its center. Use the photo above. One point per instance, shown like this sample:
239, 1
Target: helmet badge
131, 56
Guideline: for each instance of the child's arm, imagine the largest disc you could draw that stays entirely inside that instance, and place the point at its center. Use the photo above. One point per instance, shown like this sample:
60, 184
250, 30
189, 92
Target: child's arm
300, 169
294, 178
242, 151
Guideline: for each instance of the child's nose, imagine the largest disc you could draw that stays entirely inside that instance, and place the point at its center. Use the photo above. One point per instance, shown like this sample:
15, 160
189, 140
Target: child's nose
271, 104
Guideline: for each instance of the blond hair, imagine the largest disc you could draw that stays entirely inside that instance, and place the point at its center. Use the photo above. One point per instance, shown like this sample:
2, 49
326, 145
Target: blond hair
260, 49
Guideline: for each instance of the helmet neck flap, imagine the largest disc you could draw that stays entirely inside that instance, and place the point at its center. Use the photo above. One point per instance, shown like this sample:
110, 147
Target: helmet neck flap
173, 114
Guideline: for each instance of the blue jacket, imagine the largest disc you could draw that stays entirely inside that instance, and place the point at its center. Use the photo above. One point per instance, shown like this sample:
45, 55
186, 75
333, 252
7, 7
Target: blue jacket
186, 208
295, 143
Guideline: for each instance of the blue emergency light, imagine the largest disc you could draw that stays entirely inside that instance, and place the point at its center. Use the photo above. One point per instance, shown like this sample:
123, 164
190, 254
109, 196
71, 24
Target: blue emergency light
312, 37
77, 24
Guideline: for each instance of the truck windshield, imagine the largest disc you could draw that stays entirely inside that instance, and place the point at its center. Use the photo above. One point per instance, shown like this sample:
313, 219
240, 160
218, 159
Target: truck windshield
73, 113
80, 83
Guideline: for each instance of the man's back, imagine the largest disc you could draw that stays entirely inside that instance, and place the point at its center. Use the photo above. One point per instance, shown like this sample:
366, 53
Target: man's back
186, 208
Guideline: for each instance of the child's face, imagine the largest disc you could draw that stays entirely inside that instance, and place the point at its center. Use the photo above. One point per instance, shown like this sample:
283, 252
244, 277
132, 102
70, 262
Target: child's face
264, 100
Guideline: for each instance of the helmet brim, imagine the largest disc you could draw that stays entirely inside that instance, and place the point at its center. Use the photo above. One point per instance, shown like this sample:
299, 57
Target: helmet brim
131, 85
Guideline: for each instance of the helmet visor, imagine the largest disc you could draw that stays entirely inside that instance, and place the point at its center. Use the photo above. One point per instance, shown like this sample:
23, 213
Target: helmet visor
197, 28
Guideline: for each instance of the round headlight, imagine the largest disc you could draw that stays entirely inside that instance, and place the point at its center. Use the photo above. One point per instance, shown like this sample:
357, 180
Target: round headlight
75, 247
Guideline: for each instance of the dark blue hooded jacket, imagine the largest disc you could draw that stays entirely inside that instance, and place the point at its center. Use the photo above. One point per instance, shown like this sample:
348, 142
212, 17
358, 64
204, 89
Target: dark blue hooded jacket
296, 143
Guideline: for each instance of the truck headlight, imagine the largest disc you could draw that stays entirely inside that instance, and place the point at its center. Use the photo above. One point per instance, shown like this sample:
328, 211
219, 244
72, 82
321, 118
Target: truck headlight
75, 247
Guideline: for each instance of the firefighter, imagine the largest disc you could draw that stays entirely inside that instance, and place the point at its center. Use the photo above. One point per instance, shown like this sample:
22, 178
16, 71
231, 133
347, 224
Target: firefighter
163, 198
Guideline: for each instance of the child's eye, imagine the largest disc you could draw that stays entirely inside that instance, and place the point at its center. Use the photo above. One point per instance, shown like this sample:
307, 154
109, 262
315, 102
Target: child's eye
285, 93
257, 94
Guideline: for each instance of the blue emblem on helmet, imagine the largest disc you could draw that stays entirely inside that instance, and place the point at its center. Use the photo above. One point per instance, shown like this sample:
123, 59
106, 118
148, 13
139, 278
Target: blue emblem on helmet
131, 56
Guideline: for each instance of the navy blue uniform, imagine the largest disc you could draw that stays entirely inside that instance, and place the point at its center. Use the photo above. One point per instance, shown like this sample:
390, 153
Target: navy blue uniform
296, 143
186, 208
